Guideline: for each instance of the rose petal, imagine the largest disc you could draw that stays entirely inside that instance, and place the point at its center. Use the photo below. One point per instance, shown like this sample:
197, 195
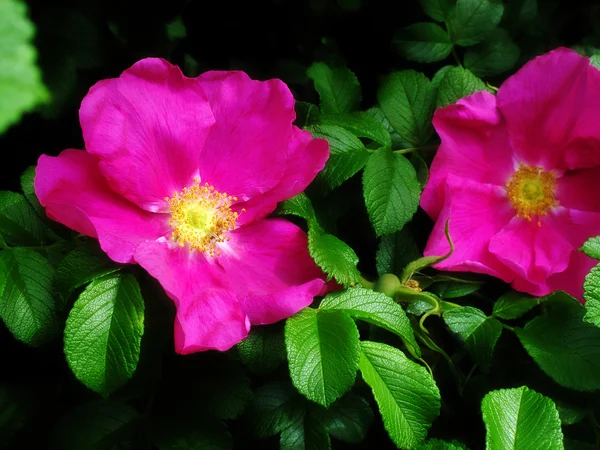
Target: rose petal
246, 150
550, 107
572, 278
306, 158
147, 127
74, 193
269, 261
532, 251
212, 320
477, 212
579, 190
474, 146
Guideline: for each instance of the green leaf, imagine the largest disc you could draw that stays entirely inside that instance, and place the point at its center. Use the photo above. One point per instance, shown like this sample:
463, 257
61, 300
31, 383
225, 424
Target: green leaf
471, 20
212, 436
338, 88
455, 289
479, 332
299, 205
456, 84
406, 393
513, 305
307, 433
496, 54
176, 30
436, 444
396, 251
591, 247
323, 353
569, 415
26, 303
103, 333
439, 75
82, 265
263, 350
520, 419
362, 125
335, 257
21, 88
437, 9
375, 308
349, 419
563, 345
591, 294
27, 179
275, 407
595, 61
96, 425
424, 42
377, 113
408, 100
347, 154
19, 224
391, 191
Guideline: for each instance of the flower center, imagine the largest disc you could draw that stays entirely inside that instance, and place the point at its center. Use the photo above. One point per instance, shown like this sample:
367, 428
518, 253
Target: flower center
531, 190
201, 217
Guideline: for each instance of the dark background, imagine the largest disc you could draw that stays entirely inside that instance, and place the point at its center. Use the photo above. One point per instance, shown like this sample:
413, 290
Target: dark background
80, 43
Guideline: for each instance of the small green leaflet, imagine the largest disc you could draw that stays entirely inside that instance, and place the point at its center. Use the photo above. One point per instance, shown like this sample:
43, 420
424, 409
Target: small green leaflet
408, 100
299, 205
362, 125
424, 42
375, 308
436, 444
479, 332
595, 61
26, 304
263, 350
275, 407
591, 247
349, 418
437, 9
591, 294
209, 435
335, 257
82, 265
471, 20
306, 433
27, 179
391, 191
569, 415
338, 88
19, 223
520, 419
21, 88
104, 331
347, 154
513, 305
97, 424
496, 54
563, 345
396, 251
323, 352
407, 396
456, 84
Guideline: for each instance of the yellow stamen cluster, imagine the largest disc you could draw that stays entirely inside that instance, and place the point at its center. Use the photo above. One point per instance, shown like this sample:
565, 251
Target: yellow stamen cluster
201, 217
414, 285
532, 190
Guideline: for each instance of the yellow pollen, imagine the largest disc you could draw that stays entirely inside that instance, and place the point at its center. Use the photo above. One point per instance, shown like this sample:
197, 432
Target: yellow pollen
532, 190
201, 217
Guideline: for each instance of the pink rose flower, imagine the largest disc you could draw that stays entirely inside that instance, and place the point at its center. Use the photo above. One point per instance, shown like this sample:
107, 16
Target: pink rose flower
178, 176
518, 174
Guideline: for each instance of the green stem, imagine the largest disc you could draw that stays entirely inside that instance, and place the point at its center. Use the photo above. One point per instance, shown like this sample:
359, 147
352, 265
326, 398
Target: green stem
508, 327
366, 283
493, 88
414, 149
456, 58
